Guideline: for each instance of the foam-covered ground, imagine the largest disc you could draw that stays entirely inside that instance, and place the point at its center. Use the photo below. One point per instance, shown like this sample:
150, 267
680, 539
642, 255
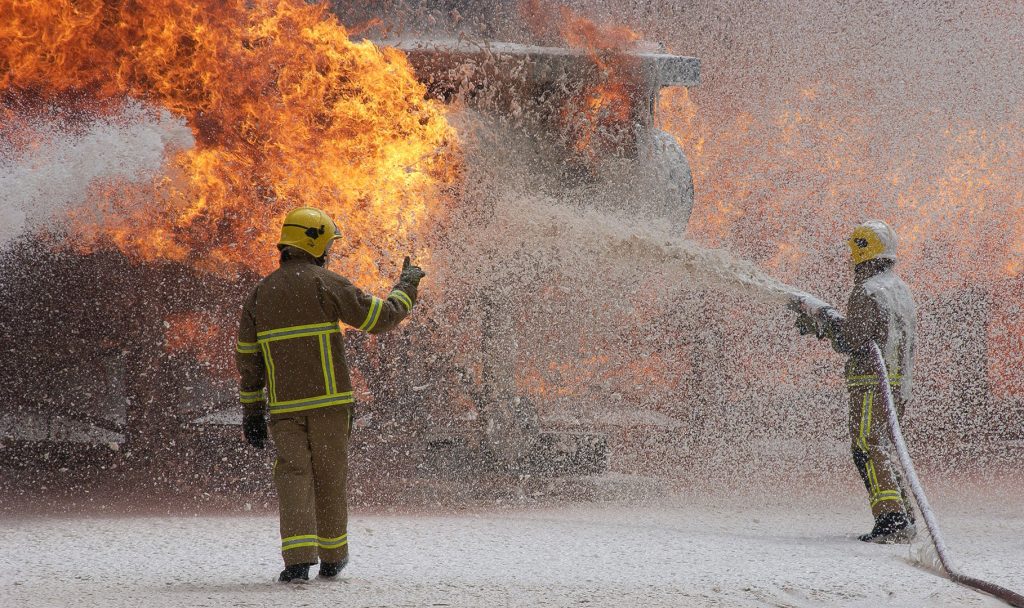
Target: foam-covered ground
675, 553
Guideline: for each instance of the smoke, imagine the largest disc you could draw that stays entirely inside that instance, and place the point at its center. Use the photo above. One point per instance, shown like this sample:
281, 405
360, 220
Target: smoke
64, 163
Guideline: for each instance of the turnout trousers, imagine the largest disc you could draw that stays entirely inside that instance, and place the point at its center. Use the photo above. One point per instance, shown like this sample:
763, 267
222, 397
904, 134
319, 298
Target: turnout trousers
871, 443
311, 476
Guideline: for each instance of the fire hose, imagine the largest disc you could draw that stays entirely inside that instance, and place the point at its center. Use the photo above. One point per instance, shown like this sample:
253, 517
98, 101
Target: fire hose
1010, 597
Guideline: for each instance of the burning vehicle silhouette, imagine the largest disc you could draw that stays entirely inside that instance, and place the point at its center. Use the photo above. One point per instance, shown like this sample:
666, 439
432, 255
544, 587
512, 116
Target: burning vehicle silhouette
584, 112
126, 347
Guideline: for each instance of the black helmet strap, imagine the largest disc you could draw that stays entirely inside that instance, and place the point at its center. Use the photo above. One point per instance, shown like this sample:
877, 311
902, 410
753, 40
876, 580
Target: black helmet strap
312, 233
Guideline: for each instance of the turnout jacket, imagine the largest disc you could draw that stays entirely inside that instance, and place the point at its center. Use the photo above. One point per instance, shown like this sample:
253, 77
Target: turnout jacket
289, 341
881, 308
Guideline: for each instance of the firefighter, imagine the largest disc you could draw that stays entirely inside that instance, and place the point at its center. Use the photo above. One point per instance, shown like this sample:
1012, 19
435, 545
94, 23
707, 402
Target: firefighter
291, 358
880, 309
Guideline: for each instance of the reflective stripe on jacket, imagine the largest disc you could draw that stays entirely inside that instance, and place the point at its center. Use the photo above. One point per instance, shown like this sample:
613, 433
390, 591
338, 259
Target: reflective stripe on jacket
289, 341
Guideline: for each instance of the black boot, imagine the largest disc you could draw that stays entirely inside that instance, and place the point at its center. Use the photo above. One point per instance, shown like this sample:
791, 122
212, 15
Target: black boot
295, 572
891, 528
331, 569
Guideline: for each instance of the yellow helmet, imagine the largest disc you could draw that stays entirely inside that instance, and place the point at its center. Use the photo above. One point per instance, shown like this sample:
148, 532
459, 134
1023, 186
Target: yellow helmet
872, 240
308, 229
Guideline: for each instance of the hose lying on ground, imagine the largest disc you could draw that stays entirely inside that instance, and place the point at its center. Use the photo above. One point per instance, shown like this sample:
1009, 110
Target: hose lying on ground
1010, 597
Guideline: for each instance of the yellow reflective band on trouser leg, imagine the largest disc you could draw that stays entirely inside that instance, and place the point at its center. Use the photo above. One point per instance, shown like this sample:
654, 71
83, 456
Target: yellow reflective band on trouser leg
871, 384
372, 315
865, 432
865, 422
871, 380
886, 495
333, 543
870, 415
294, 542
872, 476
871, 377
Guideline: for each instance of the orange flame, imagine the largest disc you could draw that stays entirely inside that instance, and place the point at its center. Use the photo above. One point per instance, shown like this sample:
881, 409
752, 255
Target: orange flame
286, 111
956, 204
575, 29
201, 335
599, 120
583, 33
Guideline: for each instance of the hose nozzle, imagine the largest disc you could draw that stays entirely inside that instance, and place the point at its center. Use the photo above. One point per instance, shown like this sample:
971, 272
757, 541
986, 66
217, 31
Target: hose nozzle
815, 316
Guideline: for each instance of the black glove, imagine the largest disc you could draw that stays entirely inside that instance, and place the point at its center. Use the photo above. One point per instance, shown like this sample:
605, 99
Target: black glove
255, 428
826, 324
806, 325
411, 274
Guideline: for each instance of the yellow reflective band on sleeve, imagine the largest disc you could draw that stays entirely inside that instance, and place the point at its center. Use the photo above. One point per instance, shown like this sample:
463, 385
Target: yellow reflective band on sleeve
247, 348
372, 315
332, 543
250, 396
294, 542
403, 298
299, 405
297, 331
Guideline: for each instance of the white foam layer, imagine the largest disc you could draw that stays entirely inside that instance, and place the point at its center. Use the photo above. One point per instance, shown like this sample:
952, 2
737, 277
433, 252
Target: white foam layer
62, 167
685, 552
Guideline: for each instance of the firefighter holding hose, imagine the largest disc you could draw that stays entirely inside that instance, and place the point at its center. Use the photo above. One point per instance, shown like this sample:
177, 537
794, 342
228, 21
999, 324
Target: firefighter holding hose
291, 359
880, 310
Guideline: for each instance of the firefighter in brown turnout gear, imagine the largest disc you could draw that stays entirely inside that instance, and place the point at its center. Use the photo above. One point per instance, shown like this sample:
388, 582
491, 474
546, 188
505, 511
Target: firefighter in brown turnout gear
291, 358
881, 310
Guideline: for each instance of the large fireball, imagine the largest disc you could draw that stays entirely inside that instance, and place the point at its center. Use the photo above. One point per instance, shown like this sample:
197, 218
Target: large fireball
286, 111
